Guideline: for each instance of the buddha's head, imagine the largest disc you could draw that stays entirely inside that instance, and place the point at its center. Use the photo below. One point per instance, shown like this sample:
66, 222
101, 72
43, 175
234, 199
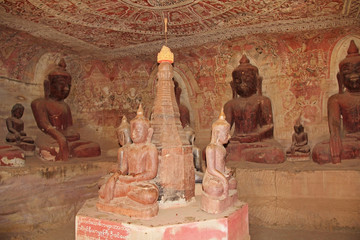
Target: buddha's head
245, 78
220, 130
58, 84
17, 111
350, 69
139, 127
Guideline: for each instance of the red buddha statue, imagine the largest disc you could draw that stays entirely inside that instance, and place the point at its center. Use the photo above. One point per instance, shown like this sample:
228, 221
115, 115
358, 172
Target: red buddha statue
218, 186
343, 107
59, 139
130, 190
252, 115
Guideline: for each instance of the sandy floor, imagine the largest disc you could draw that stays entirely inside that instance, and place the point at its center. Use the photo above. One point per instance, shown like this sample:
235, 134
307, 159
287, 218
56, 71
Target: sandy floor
67, 232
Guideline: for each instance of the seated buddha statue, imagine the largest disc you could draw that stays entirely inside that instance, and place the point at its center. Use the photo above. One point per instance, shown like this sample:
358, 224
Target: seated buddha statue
183, 110
343, 114
59, 140
299, 144
16, 132
218, 186
130, 190
252, 115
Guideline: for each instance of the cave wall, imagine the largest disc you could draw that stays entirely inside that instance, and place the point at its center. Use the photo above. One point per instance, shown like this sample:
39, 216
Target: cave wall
298, 71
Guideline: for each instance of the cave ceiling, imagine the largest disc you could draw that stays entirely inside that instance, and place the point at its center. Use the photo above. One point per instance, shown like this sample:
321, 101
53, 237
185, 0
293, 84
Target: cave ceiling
131, 27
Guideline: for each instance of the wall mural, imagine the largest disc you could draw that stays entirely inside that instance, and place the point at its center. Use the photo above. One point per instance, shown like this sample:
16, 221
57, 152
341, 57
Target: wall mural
294, 67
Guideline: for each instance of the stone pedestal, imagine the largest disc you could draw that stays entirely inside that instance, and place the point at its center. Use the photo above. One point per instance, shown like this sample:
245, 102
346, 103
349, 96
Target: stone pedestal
215, 206
301, 195
298, 157
176, 223
11, 156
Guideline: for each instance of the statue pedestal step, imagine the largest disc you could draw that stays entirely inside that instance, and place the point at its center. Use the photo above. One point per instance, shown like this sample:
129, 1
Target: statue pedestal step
11, 156
188, 222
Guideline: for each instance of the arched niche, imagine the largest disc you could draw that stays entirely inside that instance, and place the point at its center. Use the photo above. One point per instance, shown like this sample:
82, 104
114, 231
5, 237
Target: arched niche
338, 53
42, 68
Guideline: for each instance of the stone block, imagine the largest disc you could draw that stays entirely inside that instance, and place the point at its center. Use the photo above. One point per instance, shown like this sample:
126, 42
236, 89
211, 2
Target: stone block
175, 223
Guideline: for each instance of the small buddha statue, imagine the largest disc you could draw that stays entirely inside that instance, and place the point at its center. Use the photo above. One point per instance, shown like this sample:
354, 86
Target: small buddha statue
252, 115
218, 186
16, 132
299, 149
130, 190
59, 139
343, 114
190, 135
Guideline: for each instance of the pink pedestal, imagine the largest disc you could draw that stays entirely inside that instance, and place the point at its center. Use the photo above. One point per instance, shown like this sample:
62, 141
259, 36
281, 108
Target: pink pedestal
187, 222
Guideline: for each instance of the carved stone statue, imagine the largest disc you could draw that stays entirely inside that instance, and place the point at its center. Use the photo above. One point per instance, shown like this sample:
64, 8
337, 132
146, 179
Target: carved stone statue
183, 110
219, 186
130, 191
16, 132
343, 107
53, 116
299, 149
252, 115
190, 135
123, 132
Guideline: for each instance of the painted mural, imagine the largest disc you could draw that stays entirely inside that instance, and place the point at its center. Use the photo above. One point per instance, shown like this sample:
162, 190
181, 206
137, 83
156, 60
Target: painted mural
295, 68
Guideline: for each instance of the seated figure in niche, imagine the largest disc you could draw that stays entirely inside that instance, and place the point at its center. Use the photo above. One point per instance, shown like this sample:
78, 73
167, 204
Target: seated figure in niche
59, 139
190, 135
252, 115
219, 186
183, 110
130, 191
343, 107
16, 132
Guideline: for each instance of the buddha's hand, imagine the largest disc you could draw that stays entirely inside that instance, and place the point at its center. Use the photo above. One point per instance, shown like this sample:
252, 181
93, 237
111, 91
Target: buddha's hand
335, 149
22, 133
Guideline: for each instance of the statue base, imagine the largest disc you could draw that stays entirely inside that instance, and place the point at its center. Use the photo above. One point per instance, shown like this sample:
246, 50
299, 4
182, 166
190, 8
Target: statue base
214, 206
267, 151
11, 156
301, 195
298, 157
174, 223
128, 207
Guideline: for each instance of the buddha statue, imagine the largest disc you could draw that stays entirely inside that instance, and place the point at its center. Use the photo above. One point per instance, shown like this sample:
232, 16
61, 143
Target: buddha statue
252, 115
299, 144
123, 132
343, 114
183, 110
218, 186
130, 190
16, 132
59, 140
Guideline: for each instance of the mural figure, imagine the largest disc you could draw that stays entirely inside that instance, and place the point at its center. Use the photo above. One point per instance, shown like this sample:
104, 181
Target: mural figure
16, 132
59, 139
130, 191
252, 115
343, 114
219, 186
